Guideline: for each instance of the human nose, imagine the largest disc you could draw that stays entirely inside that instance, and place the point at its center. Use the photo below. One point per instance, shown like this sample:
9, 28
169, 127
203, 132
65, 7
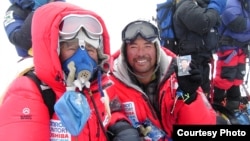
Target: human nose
140, 51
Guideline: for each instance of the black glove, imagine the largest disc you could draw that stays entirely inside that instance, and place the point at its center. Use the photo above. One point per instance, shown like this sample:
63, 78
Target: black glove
123, 131
22, 37
188, 84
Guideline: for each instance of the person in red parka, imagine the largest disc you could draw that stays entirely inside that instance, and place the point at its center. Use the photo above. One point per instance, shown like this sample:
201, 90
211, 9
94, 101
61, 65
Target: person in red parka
148, 88
71, 47
232, 54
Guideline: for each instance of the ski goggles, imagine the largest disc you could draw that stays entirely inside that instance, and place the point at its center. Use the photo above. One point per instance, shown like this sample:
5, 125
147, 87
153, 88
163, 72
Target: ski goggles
143, 28
72, 23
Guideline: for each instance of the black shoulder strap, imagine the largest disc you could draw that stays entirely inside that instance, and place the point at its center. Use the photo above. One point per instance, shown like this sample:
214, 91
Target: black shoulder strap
48, 95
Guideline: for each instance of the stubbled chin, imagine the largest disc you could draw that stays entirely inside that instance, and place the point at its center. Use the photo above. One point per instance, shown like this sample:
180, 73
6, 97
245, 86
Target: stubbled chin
141, 67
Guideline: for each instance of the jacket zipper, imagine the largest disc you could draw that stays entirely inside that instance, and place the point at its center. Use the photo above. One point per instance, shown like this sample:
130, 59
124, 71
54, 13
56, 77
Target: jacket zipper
150, 106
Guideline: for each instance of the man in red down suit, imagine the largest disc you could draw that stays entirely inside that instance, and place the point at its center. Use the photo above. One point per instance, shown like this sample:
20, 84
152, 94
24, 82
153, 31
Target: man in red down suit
71, 49
148, 88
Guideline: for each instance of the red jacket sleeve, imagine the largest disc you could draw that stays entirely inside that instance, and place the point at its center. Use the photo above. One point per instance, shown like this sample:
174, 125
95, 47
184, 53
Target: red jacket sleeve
203, 113
23, 114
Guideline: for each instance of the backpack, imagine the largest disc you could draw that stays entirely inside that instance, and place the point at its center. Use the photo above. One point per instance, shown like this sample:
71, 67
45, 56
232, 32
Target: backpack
48, 95
164, 20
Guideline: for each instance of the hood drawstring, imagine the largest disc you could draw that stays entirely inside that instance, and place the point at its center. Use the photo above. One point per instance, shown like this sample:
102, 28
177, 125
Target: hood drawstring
104, 96
99, 81
104, 99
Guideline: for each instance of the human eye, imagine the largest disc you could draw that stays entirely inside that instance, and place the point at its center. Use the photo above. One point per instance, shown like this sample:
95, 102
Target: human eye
90, 49
133, 46
149, 45
72, 47
71, 44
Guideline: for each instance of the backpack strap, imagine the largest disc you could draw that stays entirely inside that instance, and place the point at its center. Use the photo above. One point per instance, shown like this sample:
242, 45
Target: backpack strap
48, 95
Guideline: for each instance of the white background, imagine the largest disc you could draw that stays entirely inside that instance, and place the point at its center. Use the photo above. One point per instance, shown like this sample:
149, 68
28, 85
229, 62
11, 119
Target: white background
115, 13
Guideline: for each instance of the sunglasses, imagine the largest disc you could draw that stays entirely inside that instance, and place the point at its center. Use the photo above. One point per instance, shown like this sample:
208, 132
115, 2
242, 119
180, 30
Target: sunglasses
72, 23
143, 28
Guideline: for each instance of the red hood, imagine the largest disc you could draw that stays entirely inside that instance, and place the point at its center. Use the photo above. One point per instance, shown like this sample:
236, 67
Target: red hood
45, 35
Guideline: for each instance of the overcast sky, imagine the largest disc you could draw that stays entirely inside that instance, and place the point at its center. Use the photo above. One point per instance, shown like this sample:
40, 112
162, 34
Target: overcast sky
115, 13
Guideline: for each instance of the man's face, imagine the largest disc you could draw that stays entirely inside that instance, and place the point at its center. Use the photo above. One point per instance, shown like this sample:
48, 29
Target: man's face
184, 64
141, 56
68, 48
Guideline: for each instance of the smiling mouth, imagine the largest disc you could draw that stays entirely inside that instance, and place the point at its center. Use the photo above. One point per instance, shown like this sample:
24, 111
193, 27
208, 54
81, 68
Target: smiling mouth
141, 61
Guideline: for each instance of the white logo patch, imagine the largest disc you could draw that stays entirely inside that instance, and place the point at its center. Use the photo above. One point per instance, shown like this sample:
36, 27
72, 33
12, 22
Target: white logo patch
58, 132
129, 108
8, 19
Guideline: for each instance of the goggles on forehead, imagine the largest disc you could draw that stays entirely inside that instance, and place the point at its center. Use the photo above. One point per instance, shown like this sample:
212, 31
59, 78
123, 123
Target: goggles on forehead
143, 28
72, 23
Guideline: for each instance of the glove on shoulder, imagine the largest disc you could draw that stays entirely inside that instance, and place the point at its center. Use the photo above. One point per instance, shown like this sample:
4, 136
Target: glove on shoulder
22, 37
218, 5
188, 84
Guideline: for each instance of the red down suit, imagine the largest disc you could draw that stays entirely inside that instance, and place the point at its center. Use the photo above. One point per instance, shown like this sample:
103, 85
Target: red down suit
138, 108
23, 114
